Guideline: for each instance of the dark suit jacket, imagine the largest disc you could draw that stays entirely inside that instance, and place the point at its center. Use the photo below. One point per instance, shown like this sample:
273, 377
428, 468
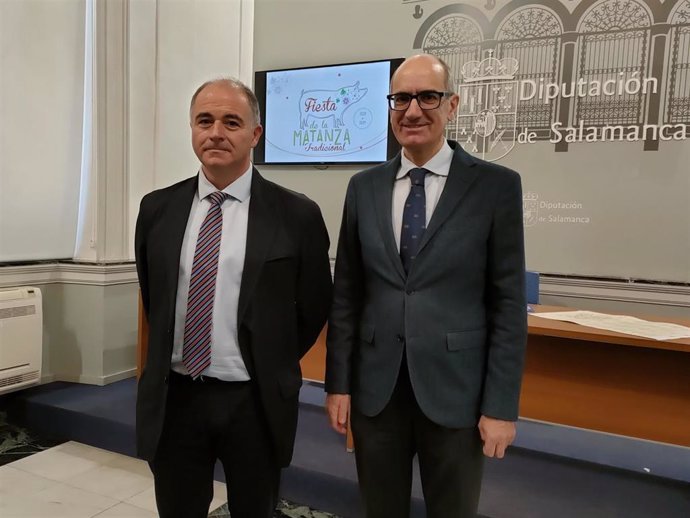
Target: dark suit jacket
284, 299
460, 314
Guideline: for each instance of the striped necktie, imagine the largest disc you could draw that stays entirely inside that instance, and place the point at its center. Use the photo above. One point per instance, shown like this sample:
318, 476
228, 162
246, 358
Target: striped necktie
196, 350
414, 218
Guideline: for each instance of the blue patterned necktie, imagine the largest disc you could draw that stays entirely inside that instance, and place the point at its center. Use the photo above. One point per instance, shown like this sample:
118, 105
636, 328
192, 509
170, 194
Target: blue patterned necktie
196, 349
414, 218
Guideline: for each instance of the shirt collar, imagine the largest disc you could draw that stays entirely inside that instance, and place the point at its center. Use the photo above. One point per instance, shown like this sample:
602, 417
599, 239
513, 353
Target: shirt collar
240, 189
438, 164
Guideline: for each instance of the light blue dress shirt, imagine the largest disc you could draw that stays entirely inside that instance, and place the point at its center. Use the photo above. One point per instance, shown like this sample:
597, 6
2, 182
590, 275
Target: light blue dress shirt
226, 359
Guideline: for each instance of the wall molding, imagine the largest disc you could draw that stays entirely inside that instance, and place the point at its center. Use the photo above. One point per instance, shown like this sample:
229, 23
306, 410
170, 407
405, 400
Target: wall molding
110, 274
638, 292
68, 273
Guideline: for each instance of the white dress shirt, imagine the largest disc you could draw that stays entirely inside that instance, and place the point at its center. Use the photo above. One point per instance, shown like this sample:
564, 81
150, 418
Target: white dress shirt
439, 165
226, 359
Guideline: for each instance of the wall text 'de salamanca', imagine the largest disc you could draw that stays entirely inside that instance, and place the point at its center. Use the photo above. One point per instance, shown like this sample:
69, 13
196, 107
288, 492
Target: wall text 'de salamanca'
621, 133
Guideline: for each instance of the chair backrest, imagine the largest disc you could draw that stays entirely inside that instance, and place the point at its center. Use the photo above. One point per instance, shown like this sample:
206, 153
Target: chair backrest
532, 284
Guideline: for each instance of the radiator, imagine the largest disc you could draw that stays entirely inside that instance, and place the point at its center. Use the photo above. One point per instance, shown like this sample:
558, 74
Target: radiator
21, 338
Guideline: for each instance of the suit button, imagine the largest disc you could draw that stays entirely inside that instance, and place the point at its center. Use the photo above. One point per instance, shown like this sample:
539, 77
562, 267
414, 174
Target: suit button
410, 292
401, 338
165, 380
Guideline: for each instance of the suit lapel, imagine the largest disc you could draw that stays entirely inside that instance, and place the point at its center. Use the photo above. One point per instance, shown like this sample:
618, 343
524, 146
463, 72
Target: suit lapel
383, 194
261, 229
461, 175
176, 216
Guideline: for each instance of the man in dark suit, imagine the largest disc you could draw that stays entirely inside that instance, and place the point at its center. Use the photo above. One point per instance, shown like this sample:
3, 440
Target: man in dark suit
428, 325
236, 285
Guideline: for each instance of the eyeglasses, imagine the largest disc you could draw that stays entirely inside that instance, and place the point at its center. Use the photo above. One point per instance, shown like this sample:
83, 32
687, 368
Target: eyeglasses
427, 100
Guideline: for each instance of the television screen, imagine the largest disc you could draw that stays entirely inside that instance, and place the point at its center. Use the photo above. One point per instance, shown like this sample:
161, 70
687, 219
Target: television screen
336, 114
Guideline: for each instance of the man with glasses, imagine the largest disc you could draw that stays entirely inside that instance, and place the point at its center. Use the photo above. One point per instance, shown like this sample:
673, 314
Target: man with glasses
428, 325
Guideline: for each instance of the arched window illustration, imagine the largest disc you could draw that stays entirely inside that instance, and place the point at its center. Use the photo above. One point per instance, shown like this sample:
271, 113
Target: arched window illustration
456, 39
613, 48
532, 36
678, 97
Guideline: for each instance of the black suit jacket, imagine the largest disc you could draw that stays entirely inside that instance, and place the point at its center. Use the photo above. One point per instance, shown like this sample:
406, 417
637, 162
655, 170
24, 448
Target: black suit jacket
284, 299
459, 314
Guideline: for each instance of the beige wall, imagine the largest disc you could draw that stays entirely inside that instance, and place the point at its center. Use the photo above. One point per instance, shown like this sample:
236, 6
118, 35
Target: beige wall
638, 202
90, 328
320, 32
92, 332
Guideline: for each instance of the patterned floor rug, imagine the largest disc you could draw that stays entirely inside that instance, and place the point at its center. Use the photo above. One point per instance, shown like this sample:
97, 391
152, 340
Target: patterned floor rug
285, 510
17, 443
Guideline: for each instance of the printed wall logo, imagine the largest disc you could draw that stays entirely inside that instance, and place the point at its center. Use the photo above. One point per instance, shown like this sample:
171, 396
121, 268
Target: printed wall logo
535, 211
530, 209
487, 115
606, 71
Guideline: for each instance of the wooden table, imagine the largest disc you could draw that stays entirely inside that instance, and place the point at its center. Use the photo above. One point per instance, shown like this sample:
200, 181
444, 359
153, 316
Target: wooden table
314, 362
595, 379
585, 377
607, 381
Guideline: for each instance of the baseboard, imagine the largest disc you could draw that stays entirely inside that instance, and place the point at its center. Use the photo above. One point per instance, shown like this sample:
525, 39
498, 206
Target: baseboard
46, 378
119, 376
97, 380
628, 453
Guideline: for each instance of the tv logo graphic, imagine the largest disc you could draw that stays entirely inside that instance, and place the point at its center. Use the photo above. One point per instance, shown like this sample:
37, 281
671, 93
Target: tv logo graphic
324, 104
487, 116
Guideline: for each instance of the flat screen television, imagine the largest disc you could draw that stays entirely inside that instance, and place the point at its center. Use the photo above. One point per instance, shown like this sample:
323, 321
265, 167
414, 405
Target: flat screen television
326, 115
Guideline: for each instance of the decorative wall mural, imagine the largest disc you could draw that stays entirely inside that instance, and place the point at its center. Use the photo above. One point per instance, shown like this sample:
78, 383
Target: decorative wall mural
610, 70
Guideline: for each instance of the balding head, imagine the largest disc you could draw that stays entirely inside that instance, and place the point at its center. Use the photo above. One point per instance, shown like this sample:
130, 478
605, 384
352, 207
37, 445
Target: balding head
419, 128
231, 82
431, 64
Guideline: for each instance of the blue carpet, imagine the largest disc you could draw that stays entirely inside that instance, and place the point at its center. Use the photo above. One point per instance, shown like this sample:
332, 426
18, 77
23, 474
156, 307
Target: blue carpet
526, 484
98, 416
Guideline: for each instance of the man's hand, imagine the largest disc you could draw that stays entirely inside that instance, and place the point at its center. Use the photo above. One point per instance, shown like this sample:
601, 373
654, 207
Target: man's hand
338, 410
497, 435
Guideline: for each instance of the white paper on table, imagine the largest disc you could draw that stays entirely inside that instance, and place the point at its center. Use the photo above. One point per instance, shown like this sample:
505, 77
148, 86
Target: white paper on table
621, 324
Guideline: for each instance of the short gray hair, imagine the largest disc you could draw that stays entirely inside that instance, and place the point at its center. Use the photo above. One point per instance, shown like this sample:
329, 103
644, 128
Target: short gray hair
233, 83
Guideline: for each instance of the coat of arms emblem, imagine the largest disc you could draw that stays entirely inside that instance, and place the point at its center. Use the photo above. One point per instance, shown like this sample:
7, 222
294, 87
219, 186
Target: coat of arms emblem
485, 124
530, 209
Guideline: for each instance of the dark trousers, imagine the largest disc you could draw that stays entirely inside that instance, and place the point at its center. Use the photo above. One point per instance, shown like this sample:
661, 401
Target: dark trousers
450, 460
207, 420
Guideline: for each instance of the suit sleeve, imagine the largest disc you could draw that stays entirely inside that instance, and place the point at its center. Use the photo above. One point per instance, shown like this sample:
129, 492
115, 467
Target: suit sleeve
506, 306
314, 285
140, 252
347, 300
